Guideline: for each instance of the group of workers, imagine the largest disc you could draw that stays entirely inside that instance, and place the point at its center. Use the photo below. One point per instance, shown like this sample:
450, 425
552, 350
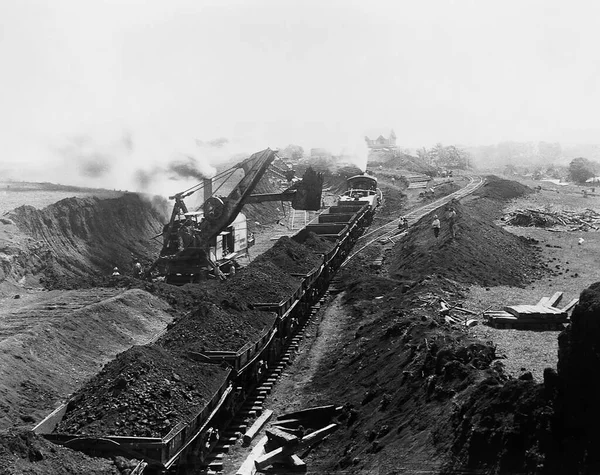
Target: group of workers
436, 223
138, 270
450, 218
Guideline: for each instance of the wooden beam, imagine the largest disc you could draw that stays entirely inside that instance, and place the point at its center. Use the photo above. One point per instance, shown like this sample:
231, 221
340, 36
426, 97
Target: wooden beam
248, 467
280, 437
282, 452
543, 301
555, 299
257, 426
320, 411
570, 305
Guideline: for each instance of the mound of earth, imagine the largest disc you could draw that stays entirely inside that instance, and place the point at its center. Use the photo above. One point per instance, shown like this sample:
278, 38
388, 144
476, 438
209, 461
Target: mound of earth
291, 256
313, 242
210, 328
261, 282
78, 241
24, 453
481, 253
496, 188
400, 373
145, 392
53, 357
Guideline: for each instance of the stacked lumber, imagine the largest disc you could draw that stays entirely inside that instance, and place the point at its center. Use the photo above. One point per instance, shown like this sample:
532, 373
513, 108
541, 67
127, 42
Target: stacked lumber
291, 434
544, 315
575, 221
417, 181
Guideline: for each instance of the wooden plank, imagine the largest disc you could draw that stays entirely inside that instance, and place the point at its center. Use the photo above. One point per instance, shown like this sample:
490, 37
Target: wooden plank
555, 299
497, 313
504, 319
248, 467
281, 437
257, 426
306, 441
289, 423
321, 411
570, 305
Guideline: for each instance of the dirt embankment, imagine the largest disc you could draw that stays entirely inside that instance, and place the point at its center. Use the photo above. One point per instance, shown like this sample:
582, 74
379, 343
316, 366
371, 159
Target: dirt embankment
76, 242
480, 253
410, 380
24, 453
42, 365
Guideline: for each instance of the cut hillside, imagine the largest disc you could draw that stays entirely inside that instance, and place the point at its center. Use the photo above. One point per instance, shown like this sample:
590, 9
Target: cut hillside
76, 242
52, 352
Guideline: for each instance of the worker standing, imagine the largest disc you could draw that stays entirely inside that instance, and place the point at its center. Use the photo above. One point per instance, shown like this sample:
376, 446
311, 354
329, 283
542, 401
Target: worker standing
137, 270
452, 221
436, 225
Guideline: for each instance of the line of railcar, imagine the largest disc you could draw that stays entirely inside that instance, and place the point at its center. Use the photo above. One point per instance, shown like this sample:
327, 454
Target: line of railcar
191, 442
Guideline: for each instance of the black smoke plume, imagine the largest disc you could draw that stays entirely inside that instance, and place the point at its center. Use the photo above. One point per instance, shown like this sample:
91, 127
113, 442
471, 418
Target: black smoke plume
185, 168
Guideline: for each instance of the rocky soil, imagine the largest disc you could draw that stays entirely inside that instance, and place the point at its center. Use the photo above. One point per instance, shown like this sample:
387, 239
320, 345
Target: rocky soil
420, 394
425, 396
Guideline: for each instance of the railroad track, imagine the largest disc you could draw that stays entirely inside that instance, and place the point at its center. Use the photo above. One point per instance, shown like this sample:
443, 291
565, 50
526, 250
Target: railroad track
253, 406
390, 229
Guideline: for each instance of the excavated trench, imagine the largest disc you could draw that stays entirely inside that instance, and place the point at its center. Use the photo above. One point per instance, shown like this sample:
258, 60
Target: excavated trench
407, 380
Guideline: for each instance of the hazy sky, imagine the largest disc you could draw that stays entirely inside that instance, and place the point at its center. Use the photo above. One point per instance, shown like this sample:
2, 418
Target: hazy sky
140, 80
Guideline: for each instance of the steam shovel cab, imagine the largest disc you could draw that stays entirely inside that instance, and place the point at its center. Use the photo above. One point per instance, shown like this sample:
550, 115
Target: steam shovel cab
193, 264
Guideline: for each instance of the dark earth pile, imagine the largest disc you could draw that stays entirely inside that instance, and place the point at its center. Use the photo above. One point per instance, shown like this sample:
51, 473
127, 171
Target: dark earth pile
211, 328
291, 256
81, 239
24, 453
400, 373
481, 253
262, 282
313, 242
410, 380
144, 392
578, 386
496, 188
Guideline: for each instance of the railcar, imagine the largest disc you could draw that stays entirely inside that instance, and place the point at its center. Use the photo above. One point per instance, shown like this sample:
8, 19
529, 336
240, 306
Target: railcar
191, 442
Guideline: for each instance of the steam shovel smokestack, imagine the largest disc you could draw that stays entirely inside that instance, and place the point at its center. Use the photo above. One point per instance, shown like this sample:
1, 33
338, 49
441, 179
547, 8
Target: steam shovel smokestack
207, 188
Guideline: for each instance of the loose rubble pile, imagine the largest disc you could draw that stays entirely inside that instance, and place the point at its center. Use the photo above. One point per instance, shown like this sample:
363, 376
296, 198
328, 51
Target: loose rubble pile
589, 220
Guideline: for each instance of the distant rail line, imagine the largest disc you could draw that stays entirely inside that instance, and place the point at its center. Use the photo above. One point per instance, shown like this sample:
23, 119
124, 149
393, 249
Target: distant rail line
390, 229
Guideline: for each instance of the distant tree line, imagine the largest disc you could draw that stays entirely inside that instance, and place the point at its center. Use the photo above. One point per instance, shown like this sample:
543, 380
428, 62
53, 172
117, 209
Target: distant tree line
582, 169
445, 156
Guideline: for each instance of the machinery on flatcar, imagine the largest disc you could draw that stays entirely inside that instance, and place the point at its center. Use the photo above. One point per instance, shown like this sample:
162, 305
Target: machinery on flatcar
362, 188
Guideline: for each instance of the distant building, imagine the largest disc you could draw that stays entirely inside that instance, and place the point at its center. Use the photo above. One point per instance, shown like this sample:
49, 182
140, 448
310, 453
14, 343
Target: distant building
381, 142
